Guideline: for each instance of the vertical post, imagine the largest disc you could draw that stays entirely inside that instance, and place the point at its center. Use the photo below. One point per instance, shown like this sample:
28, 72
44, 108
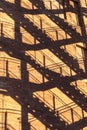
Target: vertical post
44, 64
70, 72
54, 102
66, 35
56, 35
72, 115
63, 4
46, 128
43, 75
51, 5
7, 73
24, 118
5, 123
59, 6
1, 29
41, 23
32, 6
61, 71
35, 51
76, 84
82, 113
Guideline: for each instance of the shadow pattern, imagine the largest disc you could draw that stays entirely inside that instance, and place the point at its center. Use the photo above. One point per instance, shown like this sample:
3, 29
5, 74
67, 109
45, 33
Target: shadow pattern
22, 90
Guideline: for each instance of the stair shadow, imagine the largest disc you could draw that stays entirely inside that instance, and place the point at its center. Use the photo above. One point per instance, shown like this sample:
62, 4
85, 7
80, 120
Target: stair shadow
37, 108
59, 21
64, 25
42, 37
55, 79
14, 53
40, 111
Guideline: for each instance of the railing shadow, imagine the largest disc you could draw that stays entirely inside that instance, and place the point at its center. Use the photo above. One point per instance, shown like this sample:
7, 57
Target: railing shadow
55, 79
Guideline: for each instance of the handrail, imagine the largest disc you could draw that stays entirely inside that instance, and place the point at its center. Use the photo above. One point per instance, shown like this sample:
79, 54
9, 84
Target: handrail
50, 91
66, 107
13, 75
59, 98
41, 99
62, 108
33, 77
60, 64
66, 51
46, 101
74, 113
11, 127
51, 108
32, 127
64, 104
11, 59
9, 35
62, 70
7, 109
35, 59
7, 125
51, 28
67, 120
38, 61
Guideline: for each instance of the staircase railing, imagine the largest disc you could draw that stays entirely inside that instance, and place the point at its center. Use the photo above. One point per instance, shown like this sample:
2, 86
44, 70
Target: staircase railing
10, 127
57, 66
3, 68
62, 109
40, 62
32, 127
7, 125
8, 111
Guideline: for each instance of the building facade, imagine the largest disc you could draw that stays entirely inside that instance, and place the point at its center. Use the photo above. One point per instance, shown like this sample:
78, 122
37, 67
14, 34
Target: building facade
43, 65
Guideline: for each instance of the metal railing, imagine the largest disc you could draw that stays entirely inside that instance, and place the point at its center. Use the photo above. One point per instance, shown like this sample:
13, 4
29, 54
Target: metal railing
60, 110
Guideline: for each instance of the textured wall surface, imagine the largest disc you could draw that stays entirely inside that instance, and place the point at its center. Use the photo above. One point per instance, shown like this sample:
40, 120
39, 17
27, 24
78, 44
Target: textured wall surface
43, 65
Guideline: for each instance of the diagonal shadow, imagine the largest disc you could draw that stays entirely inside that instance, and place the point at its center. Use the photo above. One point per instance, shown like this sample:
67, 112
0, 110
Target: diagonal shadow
82, 123
36, 107
38, 67
25, 46
59, 21
56, 80
35, 112
63, 55
42, 113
